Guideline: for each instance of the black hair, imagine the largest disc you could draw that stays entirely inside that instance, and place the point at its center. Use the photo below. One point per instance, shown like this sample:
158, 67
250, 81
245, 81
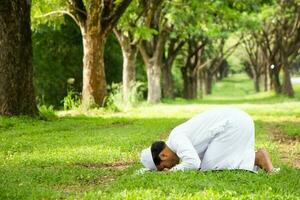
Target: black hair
156, 148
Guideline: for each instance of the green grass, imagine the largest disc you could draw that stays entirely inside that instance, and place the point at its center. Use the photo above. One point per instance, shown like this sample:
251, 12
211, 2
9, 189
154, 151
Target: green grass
95, 155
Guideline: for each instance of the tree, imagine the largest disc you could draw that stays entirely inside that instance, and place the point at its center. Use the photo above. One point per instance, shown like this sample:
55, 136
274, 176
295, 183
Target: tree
279, 41
16, 85
179, 15
256, 60
212, 24
194, 53
152, 48
127, 34
96, 19
289, 31
213, 64
173, 48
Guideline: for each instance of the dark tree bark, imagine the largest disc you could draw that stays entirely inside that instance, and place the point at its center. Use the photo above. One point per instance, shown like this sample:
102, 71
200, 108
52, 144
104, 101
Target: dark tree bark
275, 83
16, 72
208, 82
189, 71
189, 83
209, 73
256, 59
266, 78
96, 21
287, 88
256, 83
223, 70
172, 52
200, 84
168, 87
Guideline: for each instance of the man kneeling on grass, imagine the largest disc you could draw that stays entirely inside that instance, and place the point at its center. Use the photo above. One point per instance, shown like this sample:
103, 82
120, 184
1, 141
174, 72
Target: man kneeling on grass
216, 139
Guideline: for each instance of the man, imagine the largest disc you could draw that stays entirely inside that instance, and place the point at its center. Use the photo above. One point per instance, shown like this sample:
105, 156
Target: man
216, 139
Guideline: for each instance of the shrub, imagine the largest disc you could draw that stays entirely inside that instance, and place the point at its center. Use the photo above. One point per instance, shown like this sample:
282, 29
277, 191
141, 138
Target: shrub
72, 100
46, 112
115, 102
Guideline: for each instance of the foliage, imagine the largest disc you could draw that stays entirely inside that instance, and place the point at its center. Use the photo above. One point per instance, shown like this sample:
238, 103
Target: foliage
58, 44
72, 100
41, 7
46, 112
57, 56
114, 101
113, 60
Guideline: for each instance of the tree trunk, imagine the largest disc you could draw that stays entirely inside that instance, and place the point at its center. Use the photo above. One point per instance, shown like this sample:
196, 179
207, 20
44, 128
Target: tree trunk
256, 83
129, 53
276, 80
189, 84
154, 77
199, 84
94, 82
167, 81
152, 56
270, 78
287, 87
129, 60
16, 71
266, 78
255, 77
208, 82
96, 20
223, 70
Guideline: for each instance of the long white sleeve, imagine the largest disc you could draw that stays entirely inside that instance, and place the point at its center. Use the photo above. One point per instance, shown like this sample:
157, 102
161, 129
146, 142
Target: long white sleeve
221, 138
186, 152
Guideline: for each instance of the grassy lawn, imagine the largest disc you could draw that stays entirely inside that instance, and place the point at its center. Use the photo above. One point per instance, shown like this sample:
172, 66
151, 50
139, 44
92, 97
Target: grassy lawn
96, 155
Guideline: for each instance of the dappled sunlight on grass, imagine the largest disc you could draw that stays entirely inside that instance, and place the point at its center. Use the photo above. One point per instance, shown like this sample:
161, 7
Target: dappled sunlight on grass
95, 154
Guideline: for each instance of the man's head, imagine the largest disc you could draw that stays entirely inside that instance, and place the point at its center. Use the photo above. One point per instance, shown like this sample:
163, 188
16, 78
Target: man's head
161, 156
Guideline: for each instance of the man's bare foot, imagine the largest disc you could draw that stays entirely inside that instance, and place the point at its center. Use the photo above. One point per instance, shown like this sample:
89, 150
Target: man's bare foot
262, 159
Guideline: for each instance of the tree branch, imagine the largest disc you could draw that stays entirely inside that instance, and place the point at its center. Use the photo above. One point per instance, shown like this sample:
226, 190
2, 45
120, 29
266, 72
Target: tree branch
172, 52
142, 48
60, 12
109, 22
231, 49
78, 10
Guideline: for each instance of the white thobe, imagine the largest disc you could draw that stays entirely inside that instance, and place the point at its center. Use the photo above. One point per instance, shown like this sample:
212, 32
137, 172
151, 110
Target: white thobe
221, 138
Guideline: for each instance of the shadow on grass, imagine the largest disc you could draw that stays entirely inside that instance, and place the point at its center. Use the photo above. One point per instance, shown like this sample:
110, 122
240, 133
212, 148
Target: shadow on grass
41, 161
221, 184
274, 99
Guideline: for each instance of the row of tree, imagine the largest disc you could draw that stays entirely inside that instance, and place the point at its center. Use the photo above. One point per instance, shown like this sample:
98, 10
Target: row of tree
273, 46
191, 34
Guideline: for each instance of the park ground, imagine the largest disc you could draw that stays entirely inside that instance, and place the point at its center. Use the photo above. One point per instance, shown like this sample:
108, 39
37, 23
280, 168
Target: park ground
95, 155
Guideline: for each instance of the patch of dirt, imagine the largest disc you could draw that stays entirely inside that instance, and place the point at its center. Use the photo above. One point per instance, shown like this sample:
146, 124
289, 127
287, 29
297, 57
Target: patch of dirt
286, 145
164, 135
102, 180
85, 184
69, 189
120, 165
116, 124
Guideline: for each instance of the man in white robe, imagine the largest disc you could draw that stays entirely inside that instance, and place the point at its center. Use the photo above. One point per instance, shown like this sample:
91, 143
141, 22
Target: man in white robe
217, 139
